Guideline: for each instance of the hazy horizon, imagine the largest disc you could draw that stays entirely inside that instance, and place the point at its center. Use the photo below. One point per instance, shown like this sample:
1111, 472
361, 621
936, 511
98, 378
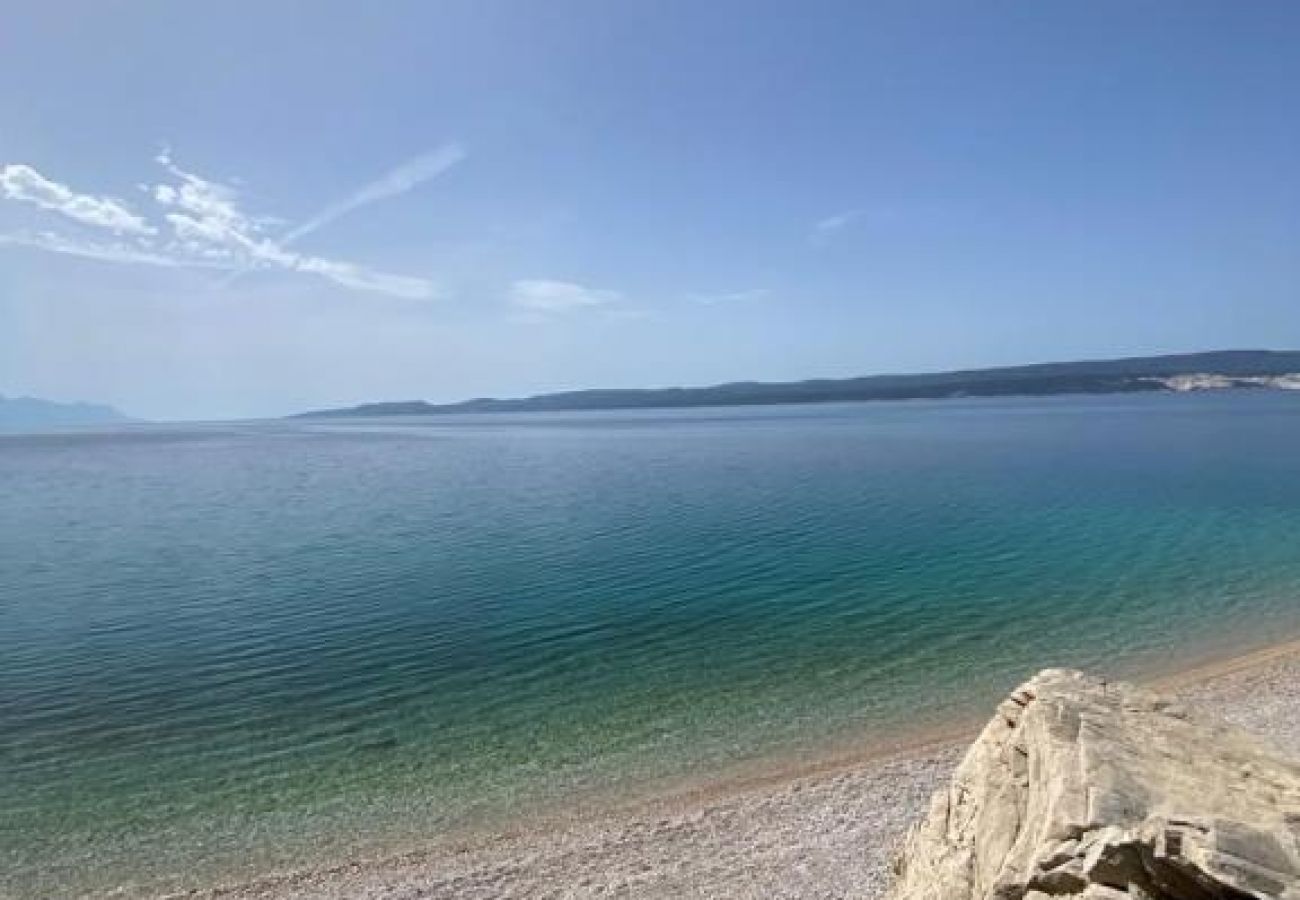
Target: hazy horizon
211, 214
654, 387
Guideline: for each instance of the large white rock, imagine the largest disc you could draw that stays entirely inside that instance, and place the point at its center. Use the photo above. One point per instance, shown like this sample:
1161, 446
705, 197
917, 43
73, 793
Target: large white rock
1085, 788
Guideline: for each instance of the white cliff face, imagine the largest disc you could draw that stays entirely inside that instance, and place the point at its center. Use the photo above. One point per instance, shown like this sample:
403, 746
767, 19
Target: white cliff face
1089, 789
1210, 382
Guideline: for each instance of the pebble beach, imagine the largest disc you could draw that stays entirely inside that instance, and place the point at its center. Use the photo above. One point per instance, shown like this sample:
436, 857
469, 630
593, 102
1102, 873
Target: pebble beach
827, 829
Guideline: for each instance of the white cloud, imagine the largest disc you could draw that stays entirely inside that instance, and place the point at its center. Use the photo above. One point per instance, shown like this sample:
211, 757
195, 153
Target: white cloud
204, 215
546, 297
823, 229
405, 177
23, 183
205, 228
364, 279
114, 252
731, 297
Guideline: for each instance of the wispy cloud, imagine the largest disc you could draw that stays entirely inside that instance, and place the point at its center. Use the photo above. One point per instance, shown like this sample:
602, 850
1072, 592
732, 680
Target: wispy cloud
409, 175
557, 297
201, 225
363, 279
25, 184
115, 252
824, 229
730, 297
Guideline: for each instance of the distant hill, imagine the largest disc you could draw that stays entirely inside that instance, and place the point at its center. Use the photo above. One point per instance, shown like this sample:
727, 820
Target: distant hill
30, 412
1180, 372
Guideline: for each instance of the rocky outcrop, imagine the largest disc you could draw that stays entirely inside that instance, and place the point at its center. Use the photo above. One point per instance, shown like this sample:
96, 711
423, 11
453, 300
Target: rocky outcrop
1092, 789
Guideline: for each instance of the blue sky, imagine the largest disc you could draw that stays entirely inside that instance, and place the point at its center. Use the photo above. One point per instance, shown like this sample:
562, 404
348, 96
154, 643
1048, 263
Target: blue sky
243, 209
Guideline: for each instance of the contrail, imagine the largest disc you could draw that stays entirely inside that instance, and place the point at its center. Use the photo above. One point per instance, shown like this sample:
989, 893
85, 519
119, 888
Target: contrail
408, 175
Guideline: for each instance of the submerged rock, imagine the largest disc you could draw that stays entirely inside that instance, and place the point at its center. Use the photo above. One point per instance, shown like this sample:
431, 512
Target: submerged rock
1084, 788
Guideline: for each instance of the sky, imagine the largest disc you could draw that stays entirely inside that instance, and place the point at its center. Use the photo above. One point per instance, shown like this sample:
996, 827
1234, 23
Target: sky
246, 209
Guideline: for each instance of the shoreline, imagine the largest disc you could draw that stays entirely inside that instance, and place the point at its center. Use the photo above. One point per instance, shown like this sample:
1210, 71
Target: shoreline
841, 811
1220, 665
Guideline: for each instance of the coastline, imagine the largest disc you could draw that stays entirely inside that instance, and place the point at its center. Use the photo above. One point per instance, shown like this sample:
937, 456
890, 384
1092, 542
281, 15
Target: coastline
824, 825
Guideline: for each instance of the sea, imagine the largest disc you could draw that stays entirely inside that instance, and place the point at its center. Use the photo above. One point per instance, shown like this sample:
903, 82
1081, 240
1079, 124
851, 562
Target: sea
230, 649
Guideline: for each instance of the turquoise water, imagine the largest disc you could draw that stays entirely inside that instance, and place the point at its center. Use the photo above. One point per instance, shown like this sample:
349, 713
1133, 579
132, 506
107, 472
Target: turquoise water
231, 648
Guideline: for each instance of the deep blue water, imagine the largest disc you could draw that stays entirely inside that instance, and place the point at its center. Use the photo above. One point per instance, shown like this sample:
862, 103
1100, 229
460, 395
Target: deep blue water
227, 648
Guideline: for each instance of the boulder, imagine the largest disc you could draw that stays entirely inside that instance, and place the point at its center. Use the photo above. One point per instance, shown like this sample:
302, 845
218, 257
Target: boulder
1085, 788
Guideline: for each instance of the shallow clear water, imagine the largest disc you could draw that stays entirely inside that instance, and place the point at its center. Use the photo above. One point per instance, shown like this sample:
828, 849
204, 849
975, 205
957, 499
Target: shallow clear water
227, 648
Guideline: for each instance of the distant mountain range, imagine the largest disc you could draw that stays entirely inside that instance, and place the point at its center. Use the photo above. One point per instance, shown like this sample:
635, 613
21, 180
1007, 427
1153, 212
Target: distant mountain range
1181, 372
30, 412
